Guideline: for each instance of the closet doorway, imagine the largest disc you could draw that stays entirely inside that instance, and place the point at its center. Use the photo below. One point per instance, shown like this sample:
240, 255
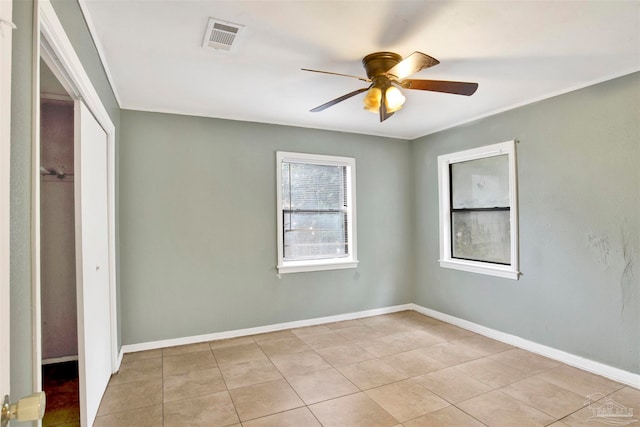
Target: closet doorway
57, 252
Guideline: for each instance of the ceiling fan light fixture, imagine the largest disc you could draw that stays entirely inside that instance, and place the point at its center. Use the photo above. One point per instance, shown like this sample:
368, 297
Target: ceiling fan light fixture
372, 99
394, 99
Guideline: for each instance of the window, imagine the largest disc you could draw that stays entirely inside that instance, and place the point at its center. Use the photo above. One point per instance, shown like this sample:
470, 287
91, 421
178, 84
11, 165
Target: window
478, 210
316, 212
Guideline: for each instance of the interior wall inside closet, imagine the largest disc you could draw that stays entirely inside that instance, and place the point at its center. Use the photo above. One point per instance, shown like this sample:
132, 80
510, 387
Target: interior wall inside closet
58, 303
58, 261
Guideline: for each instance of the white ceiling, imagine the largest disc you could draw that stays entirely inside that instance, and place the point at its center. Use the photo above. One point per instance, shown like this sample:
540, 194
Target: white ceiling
518, 51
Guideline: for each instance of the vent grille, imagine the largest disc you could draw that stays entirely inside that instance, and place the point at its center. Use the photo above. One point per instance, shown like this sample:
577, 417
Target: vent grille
222, 35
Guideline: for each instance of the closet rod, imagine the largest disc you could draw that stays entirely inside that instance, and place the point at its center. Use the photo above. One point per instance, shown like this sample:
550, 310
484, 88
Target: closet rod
44, 172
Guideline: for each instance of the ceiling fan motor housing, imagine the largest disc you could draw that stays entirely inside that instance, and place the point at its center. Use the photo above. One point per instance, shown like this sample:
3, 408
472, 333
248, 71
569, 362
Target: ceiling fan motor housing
378, 63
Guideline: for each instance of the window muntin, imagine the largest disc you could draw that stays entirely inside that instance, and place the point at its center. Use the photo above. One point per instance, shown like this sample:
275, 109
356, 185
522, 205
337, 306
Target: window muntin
478, 212
316, 229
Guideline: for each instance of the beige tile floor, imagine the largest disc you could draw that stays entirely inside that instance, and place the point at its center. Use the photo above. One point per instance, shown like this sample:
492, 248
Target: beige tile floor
401, 369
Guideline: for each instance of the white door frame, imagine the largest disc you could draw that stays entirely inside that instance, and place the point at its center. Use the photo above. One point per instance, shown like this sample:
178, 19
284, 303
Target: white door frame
6, 28
58, 53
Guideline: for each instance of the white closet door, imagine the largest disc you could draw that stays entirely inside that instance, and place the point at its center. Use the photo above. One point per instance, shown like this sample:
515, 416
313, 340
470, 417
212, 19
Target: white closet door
92, 260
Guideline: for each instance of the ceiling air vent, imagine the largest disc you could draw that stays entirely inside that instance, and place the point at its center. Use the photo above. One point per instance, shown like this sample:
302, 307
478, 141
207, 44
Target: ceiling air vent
222, 35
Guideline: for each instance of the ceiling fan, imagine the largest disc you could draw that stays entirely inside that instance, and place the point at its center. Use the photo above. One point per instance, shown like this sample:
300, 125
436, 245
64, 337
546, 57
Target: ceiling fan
387, 72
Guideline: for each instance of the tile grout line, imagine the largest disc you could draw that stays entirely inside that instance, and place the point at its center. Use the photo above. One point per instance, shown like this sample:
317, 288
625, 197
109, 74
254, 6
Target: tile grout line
224, 381
162, 376
305, 405
586, 406
471, 415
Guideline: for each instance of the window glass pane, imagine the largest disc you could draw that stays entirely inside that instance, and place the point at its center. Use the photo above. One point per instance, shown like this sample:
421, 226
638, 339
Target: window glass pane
481, 183
315, 235
482, 236
313, 187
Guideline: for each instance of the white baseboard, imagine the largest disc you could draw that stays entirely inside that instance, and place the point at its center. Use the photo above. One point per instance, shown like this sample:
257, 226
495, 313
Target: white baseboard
116, 368
598, 368
616, 374
52, 360
130, 348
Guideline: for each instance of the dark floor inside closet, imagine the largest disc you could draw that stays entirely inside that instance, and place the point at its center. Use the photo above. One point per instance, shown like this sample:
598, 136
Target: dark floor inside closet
60, 383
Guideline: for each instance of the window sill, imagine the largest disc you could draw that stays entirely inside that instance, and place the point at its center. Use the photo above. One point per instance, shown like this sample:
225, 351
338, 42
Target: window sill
317, 265
506, 271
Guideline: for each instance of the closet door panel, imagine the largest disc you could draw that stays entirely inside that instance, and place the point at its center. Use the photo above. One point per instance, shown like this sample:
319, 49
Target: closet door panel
92, 251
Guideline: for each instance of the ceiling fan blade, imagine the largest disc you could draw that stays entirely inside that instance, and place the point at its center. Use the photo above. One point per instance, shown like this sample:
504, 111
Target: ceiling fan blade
412, 64
336, 74
384, 114
458, 88
337, 100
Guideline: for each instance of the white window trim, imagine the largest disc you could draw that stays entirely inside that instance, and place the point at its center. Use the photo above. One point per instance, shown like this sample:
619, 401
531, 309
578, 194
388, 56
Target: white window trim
300, 266
446, 261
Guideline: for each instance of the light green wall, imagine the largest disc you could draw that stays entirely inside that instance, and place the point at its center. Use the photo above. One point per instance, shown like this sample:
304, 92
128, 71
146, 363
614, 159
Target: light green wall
578, 162
198, 227
20, 198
